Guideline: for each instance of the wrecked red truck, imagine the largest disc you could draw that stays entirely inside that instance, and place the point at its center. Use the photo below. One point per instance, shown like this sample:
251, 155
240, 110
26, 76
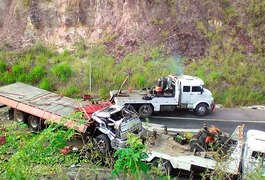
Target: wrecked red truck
108, 124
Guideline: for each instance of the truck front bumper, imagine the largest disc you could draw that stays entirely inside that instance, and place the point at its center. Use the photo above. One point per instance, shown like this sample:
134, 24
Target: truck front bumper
213, 107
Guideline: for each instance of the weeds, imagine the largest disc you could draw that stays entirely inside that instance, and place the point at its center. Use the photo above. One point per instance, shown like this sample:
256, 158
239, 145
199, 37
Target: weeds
71, 91
130, 159
229, 75
46, 84
62, 71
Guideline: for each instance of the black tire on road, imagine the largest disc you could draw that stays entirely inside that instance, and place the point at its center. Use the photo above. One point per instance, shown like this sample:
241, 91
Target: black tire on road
20, 116
145, 111
163, 165
35, 123
201, 110
103, 143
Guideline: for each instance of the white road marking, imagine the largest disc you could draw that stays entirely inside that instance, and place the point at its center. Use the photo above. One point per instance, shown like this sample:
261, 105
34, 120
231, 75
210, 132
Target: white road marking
201, 119
152, 126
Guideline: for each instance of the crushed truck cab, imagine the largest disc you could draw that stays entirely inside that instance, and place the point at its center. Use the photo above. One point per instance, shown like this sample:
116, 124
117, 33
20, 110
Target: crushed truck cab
172, 92
108, 124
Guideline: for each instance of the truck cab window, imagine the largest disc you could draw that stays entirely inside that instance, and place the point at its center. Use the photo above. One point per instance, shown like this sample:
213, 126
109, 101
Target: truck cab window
196, 89
257, 155
186, 88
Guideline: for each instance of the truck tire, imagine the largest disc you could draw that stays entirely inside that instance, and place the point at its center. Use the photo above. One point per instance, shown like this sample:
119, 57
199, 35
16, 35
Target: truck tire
201, 110
20, 116
145, 111
103, 143
35, 123
163, 165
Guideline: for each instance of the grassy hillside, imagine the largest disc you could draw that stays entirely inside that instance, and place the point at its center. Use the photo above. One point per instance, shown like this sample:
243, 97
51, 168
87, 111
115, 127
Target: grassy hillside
222, 42
232, 79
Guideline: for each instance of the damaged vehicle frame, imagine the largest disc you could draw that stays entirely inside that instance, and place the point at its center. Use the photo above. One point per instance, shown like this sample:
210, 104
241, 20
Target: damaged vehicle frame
112, 125
106, 123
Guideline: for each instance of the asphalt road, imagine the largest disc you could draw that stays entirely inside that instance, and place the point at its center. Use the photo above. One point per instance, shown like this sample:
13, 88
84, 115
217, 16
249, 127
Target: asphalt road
226, 119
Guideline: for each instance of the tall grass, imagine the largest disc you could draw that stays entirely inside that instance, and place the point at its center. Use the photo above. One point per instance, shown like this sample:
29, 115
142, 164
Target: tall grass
230, 75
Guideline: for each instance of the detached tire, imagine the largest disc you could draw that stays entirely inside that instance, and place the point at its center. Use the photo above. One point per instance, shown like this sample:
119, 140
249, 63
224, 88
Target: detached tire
145, 111
20, 116
201, 110
103, 143
35, 123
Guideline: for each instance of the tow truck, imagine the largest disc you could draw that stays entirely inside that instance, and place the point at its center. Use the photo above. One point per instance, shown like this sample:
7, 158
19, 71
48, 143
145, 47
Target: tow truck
237, 154
172, 92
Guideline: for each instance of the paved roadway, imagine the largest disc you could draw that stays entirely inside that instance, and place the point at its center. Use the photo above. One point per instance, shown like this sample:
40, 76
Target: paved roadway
226, 119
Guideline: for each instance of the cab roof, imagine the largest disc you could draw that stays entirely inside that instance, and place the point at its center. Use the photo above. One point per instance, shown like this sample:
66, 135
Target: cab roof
256, 140
187, 80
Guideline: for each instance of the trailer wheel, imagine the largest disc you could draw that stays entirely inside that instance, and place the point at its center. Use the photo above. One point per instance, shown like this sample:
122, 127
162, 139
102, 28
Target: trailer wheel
35, 123
20, 116
145, 111
103, 143
163, 165
201, 109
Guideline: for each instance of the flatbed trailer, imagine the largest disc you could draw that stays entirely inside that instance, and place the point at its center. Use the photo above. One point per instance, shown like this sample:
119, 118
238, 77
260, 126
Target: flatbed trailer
47, 105
108, 124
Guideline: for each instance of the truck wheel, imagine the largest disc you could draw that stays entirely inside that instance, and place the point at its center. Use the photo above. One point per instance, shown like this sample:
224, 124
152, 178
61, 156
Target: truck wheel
163, 165
145, 111
103, 143
35, 123
201, 110
20, 116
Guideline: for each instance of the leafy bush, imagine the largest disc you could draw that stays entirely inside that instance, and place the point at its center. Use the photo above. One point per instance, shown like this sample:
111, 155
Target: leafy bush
36, 74
71, 91
34, 155
2, 66
7, 78
46, 84
103, 93
130, 159
62, 71
17, 70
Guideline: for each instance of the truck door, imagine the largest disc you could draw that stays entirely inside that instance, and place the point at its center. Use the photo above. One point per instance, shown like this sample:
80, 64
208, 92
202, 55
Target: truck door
196, 94
185, 94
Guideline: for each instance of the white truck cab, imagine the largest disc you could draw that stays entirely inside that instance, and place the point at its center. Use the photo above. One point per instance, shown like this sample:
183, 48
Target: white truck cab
182, 92
254, 153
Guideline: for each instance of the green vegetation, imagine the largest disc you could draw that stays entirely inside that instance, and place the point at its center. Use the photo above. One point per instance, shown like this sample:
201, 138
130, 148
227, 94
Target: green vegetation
129, 161
233, 66
44, 155
232, 78
36, 155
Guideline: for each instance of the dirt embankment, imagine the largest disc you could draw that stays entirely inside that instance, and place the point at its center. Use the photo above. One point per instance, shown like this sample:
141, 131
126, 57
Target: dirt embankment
123, 25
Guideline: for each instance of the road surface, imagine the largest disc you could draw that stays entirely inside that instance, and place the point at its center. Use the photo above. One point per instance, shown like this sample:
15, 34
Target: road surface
226, 119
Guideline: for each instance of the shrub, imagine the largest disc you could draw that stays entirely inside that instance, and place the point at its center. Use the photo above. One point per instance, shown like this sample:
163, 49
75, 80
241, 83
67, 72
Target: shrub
36, 74
7, 78
103, 93
62, 71
139, 80
71, 91
130, 159
2, 66
46, 84
17, 70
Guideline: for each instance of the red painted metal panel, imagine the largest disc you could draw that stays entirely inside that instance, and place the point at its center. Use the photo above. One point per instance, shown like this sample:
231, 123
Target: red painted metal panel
8, 102
42, 114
